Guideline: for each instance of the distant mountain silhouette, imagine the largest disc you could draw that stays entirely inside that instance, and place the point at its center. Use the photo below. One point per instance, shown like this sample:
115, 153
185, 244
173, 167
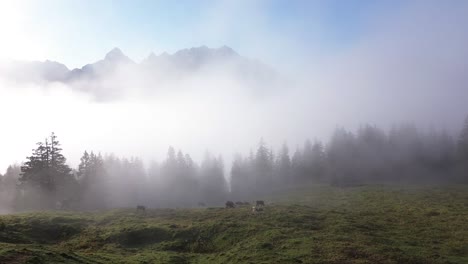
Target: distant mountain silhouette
153, 69
111, 61
36, 71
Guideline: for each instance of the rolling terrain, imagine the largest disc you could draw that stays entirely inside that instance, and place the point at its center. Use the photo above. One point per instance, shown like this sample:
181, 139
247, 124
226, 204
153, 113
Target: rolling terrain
319, 224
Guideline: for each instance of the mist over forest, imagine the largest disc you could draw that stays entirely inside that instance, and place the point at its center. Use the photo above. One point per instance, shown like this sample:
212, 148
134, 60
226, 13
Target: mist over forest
222, 99
389, 106
369, 155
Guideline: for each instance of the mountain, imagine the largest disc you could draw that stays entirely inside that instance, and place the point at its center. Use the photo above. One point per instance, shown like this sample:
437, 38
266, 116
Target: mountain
35, 71
155, 69
109, 64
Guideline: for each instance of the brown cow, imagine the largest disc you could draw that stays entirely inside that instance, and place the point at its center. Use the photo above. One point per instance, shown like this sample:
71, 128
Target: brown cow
259, 203
256, 209
141, 208
230, 204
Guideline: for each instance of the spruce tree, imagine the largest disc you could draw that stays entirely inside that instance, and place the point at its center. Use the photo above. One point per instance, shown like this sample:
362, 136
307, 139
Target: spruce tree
463, 142
463, 150
263, 167
91, 175
46, 169
283, 166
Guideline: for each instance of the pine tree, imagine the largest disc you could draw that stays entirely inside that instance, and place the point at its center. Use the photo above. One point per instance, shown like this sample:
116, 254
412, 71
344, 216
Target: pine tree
283, 166
263, 167
239, 180
91, 175
8, 187
84, 168
463, 142
463, 150
213, 185
318, 160
33, 170
57, 160
12, 175
46, 169
297, 167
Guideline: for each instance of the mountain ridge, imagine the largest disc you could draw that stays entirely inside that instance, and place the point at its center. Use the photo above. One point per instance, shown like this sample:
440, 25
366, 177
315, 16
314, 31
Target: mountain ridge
153, 70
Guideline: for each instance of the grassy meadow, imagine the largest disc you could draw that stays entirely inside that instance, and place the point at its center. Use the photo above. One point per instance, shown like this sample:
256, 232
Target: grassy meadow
318, 224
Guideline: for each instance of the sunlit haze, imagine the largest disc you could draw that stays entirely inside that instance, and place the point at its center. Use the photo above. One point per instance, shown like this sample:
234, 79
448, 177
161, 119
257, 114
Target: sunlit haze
334, 65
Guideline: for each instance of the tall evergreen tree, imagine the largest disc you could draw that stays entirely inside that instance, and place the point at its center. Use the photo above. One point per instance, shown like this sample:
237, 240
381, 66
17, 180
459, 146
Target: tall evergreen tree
212, 182
46, 169
313, 158
297, 167
463, 141
239, 177
283, 167
317, 166
91, 175
8, 188
463, 151
263, 167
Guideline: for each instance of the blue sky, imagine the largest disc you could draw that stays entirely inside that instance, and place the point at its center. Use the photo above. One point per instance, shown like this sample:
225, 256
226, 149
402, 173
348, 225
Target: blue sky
77, 32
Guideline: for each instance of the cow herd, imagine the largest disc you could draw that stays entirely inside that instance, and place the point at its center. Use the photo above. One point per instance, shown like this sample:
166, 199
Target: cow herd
258, 207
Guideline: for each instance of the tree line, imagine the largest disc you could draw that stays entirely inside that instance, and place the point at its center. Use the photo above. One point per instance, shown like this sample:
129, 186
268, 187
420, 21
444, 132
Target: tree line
370, 155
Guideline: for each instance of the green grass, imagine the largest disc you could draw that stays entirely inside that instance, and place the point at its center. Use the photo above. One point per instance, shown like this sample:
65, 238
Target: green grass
321, 224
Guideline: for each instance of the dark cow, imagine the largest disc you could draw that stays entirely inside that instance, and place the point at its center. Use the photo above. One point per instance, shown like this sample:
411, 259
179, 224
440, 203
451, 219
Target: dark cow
256, 209
141, 208
230, 204
201, 204
259, 203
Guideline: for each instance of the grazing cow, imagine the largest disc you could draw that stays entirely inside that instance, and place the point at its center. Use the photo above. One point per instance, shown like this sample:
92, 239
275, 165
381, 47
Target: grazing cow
259, 203
201, 204
230, 204
141, 208
256, 209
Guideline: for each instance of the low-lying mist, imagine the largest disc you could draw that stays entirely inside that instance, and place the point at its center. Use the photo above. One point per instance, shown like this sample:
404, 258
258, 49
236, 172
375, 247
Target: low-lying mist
215, 100
396, 72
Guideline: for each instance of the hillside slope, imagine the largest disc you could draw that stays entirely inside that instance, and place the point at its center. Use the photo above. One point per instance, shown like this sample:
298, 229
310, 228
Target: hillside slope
369, 224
